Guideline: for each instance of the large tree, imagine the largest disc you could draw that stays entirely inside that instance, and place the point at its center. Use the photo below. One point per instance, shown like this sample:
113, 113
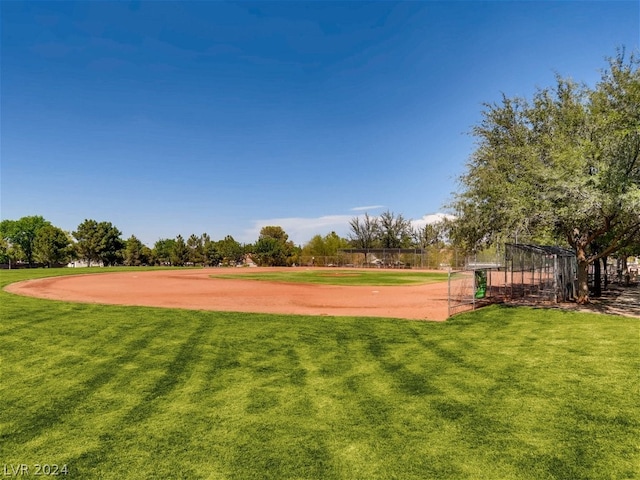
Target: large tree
180, 252
210, 253
228, 250
162, 250
6, 254
561, 167
9, 251
111, 244
88, 241
430, 234
365, 232
135, 252
273, 247
52, 246
22, 233
394, 230
195, 245
99, 242
326, 246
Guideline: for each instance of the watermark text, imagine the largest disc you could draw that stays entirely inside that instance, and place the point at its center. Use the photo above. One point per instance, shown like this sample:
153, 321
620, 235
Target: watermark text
33, 470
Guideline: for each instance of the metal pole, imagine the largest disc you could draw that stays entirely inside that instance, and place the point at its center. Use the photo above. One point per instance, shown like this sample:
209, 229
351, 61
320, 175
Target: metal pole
449, 293
555, 278
473, 292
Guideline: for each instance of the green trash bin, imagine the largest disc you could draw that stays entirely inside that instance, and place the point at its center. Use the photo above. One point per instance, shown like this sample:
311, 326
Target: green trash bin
481, 283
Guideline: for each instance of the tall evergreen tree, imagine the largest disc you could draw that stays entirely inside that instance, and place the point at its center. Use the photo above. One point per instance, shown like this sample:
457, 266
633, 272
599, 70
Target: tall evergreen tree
180, 252
134, 252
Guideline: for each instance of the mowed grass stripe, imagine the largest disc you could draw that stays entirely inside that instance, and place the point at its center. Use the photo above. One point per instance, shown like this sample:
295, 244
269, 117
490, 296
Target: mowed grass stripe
51, 373
501, 393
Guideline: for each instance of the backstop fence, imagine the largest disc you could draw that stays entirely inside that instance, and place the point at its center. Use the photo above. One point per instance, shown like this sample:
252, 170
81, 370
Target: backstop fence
422, 258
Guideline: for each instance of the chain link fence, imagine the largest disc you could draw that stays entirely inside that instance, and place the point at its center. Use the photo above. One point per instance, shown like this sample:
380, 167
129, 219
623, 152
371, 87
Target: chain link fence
521, 273
415, 258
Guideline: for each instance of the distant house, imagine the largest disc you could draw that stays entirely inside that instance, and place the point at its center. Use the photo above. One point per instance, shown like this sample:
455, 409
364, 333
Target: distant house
247, 261
83, 263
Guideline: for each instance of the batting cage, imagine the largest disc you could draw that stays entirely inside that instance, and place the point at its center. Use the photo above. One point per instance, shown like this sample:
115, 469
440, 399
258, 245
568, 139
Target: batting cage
526, 273
540, 273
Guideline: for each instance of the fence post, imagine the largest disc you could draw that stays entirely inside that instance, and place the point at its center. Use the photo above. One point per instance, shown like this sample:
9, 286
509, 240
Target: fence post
473, 291
449, 293
555, 278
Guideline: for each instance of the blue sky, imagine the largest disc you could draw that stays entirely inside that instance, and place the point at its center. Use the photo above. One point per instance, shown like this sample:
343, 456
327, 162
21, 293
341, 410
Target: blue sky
170, 118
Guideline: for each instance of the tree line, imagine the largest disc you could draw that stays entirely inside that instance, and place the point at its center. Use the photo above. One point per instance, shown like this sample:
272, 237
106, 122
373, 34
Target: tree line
34, 241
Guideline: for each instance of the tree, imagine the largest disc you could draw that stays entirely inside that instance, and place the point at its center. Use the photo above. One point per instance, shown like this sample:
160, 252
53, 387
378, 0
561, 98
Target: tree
394, 231
135, 253
563, 167
147, 256
334, 242
22, 233
229, 251
180, 252
9, 251
365, 233
429, 235
99, 242
88, 241
273, 247
210, 253
432, 238
326, 246
195, 246
111, 245
162, 250
4, 251
52, 245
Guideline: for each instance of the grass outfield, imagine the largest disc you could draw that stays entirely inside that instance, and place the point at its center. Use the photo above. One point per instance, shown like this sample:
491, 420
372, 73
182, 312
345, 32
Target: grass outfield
343, 277
502, 393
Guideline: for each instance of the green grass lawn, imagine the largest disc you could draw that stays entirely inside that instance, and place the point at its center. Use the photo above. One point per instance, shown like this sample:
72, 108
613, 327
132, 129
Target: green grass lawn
502, 393
343, 277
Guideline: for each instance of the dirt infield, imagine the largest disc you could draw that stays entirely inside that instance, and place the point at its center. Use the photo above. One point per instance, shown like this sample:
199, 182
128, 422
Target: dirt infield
195, 290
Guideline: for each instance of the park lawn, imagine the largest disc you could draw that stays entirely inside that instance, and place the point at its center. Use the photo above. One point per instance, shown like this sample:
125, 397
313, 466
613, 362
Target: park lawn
367, 277
502, 393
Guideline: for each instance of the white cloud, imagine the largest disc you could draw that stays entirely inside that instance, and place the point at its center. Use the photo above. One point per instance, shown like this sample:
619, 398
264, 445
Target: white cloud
430, 218
370, 207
